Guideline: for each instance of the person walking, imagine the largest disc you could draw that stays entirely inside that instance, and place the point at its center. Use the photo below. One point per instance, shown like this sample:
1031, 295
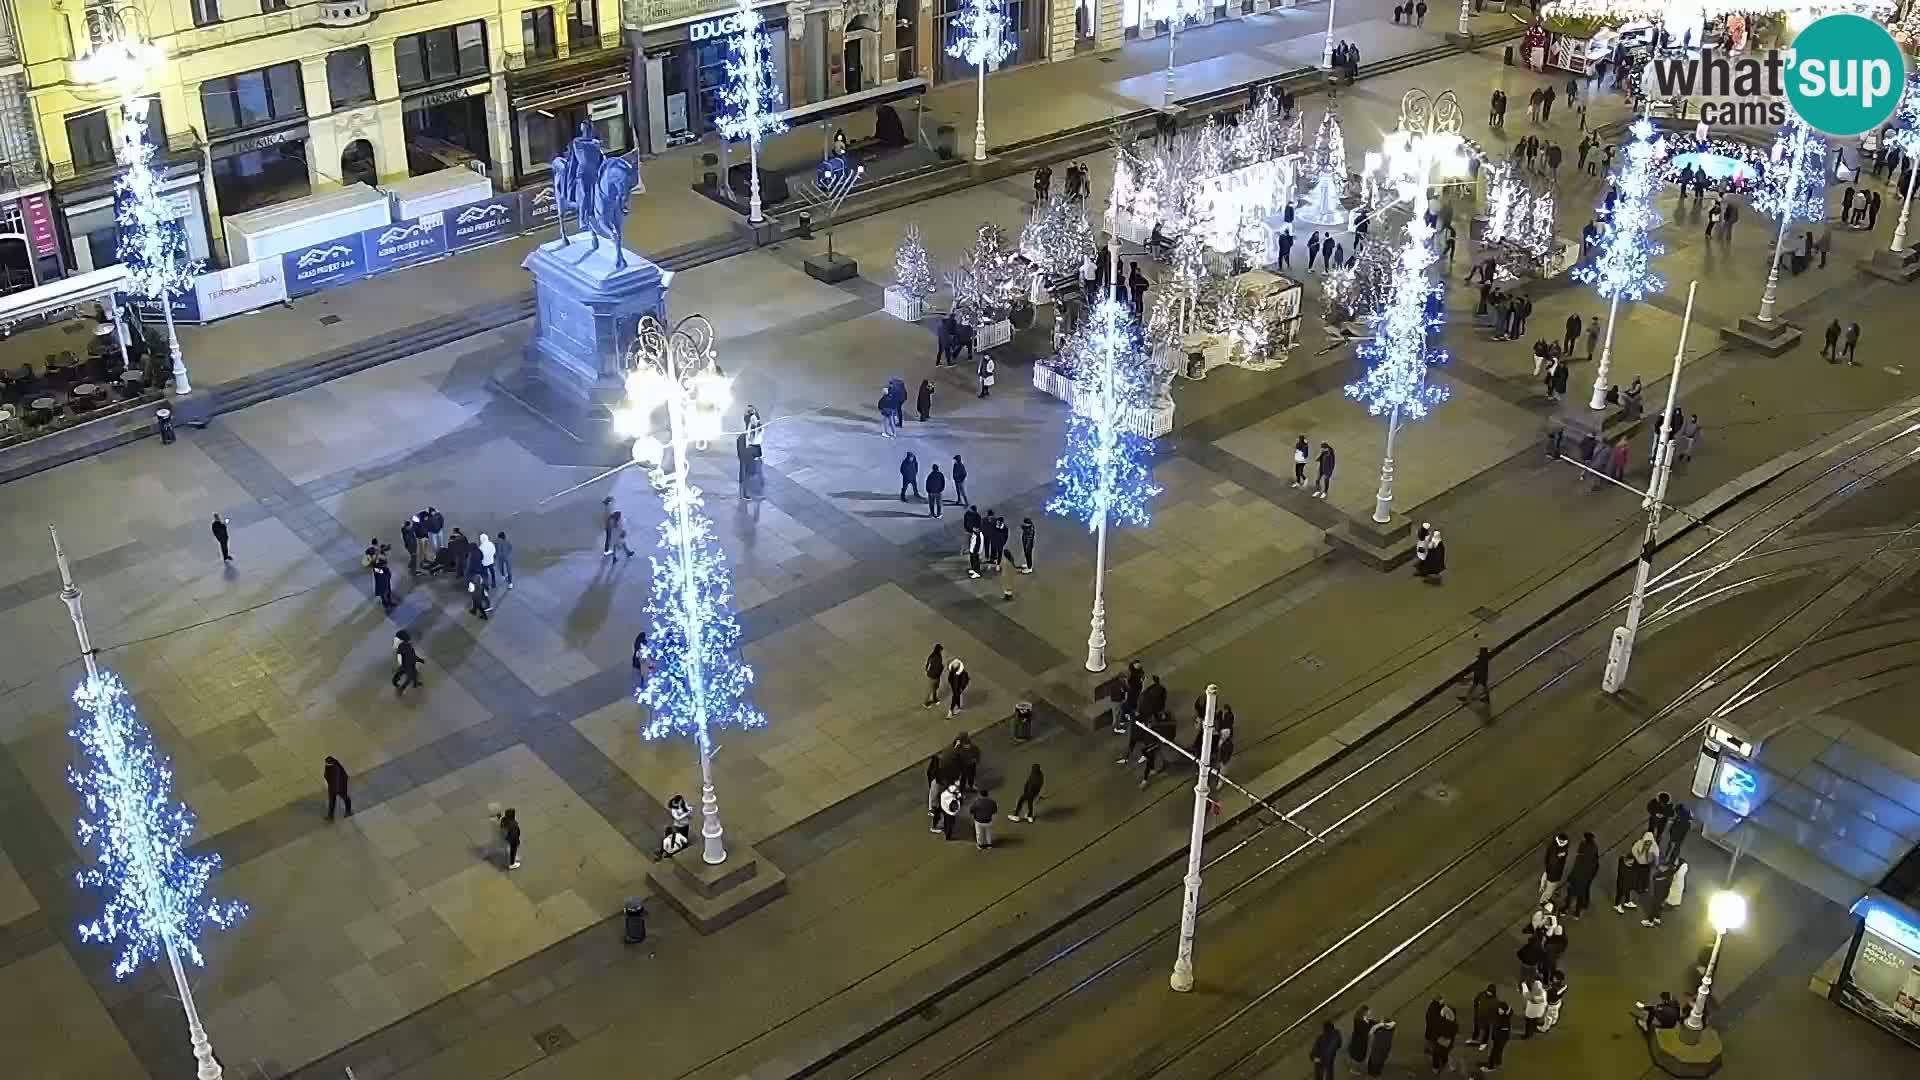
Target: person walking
489, 555
503, 557
335, 774
1546, 104
936, 664
1727, 219
608, 519
950, 800
1358, 1039
1850, 342
957, 680
984, 372
936, 783
1498, 1035
220, 536
910, 477
480, 599
1554, 873
510, 832
1447, 1031
1029, 794
1485, 1003
976, 547
383, 584
1586, 866
1379, 1046
407, 661
959, 475
1677, 831
923, 400
982, 813
1026, 545
1479, 680
1326, 1047
1572, 336
642, 660
1301, 454
1419, 19
1713, 219
1313, 249
1323, 479
936, 491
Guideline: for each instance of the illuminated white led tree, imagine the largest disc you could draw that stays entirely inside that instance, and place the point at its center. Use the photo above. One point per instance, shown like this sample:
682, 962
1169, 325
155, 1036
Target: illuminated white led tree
1327, 168
152, 246
700, 682
1105, 473
980, 37
1622, 266
1904, 135
1057, 238
156, 904
750, 102
1397, 355
912, 269
1175, 13
1793, 189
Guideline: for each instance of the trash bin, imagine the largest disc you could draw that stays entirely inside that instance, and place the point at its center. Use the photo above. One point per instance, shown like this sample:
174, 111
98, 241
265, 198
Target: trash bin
164, 418
946, 142
805, 225
635, 910
1023, 721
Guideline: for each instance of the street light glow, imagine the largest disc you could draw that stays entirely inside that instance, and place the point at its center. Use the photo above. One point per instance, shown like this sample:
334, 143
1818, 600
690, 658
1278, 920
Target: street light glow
1727, 911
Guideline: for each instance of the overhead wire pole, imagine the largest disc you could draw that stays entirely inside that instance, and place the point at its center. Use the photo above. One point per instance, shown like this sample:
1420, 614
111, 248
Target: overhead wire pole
1620, 649
1182, 977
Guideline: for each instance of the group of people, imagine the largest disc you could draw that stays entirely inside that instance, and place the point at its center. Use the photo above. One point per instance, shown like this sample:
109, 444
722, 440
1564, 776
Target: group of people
1335, 252
1859, 209
1098, 281
1075, 182
1323, 466
480, 565
952, 775
1840, 345
1538, 158
1346, 60
1413, 11
1138, 704
1651, 877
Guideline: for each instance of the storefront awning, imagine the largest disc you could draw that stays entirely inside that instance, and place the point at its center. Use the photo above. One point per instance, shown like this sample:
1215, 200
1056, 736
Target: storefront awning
854, 102
94, 285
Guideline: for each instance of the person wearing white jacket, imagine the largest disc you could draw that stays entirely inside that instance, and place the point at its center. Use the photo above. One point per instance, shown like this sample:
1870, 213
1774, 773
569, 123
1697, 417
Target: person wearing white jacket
1533, 1000
1676, 892
487, 551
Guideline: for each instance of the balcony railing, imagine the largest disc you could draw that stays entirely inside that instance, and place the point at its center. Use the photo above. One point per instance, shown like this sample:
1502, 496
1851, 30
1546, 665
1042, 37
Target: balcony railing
179, 144
523, 58
18, 175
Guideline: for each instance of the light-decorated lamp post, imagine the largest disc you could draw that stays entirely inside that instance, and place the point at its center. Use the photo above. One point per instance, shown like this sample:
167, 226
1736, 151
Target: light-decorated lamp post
1904, 136
1395, 384
699, 680
151, 245
1622, 267
1727, 911
1182, 977
1175, 13
750, 101
980, 38
1326, 50
1465, 30
156, 904
1793, 189
1105, 473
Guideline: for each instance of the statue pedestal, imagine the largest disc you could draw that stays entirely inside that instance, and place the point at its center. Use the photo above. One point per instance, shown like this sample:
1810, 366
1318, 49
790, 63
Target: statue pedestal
586, 313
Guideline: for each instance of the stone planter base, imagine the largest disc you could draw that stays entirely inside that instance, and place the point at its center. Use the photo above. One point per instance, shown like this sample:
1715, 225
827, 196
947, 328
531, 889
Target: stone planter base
903, 305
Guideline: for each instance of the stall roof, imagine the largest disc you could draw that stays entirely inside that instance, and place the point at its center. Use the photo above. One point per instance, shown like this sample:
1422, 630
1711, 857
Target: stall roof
433, 183
294, 211
66, 292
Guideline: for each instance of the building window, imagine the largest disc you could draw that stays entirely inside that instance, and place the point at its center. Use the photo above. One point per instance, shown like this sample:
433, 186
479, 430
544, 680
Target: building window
452, 52
536, 32
252, 98
156, 125
87, 135
350, 76
206, 12
272, 174
583, 23
273, 5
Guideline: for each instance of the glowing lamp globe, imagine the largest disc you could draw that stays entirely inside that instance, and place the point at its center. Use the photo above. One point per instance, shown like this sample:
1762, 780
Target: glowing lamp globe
1727, 911
647, 450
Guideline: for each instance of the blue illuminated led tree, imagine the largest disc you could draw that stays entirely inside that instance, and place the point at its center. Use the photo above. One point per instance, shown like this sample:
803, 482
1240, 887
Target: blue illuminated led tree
155, 894
750, 102
1622, 266
981, 38
1793, 189
1397, 356
1105, 473
1903, 134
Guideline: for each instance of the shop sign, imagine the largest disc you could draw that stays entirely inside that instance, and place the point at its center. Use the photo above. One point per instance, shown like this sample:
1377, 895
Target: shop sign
186, 307
448, 97
38, 213
246, 287
606, 107
409, 240
329, 263
709, 29
261, 142
483, 222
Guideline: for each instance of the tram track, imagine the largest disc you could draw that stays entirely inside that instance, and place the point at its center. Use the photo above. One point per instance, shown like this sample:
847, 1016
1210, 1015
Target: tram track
1433, 743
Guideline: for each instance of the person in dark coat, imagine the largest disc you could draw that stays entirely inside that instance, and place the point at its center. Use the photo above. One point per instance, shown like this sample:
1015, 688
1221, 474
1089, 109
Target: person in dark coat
220, 535
510, 831
923, 401
407, 660
1659, 813
1831, 350
957, 680
1326, 1050
1026, 545
1554, 869
1323, 478
1380, 1045
936, 783
1153, 700
910, 476
936, 491
1358, 1039
1445, 1034
968, 754
1136, 682
1029, 794
1677, 832
383, 584
1485, 1003
335, 774
1586, 867
1501, 1033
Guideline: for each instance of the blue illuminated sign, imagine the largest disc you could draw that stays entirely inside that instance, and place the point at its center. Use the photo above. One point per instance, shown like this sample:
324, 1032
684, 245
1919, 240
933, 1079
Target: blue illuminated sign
1735, 786
1888, 923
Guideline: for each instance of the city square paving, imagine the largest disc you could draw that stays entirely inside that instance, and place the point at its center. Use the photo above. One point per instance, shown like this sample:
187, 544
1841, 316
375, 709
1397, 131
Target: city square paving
249, 675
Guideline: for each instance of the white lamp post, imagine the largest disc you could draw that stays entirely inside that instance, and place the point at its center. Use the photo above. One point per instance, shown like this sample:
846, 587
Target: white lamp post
1726, 911
1182, 977
1464, 30
675, 369
980, 38
1801, 139
1326, 50
1906, 205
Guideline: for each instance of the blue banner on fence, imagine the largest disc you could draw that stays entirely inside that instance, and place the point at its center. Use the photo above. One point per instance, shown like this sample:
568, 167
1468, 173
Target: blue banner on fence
332, 262
482, 222
407, 241
186, 307
538, 207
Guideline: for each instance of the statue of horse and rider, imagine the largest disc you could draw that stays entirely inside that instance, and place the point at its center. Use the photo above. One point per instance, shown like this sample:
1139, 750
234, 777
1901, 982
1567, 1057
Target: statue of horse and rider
596, 188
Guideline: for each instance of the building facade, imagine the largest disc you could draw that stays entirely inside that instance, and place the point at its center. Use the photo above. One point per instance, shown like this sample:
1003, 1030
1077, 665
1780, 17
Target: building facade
259, 102
29, 243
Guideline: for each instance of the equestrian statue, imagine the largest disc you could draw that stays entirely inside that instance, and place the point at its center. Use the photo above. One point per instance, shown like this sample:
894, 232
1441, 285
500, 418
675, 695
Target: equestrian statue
596, 188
